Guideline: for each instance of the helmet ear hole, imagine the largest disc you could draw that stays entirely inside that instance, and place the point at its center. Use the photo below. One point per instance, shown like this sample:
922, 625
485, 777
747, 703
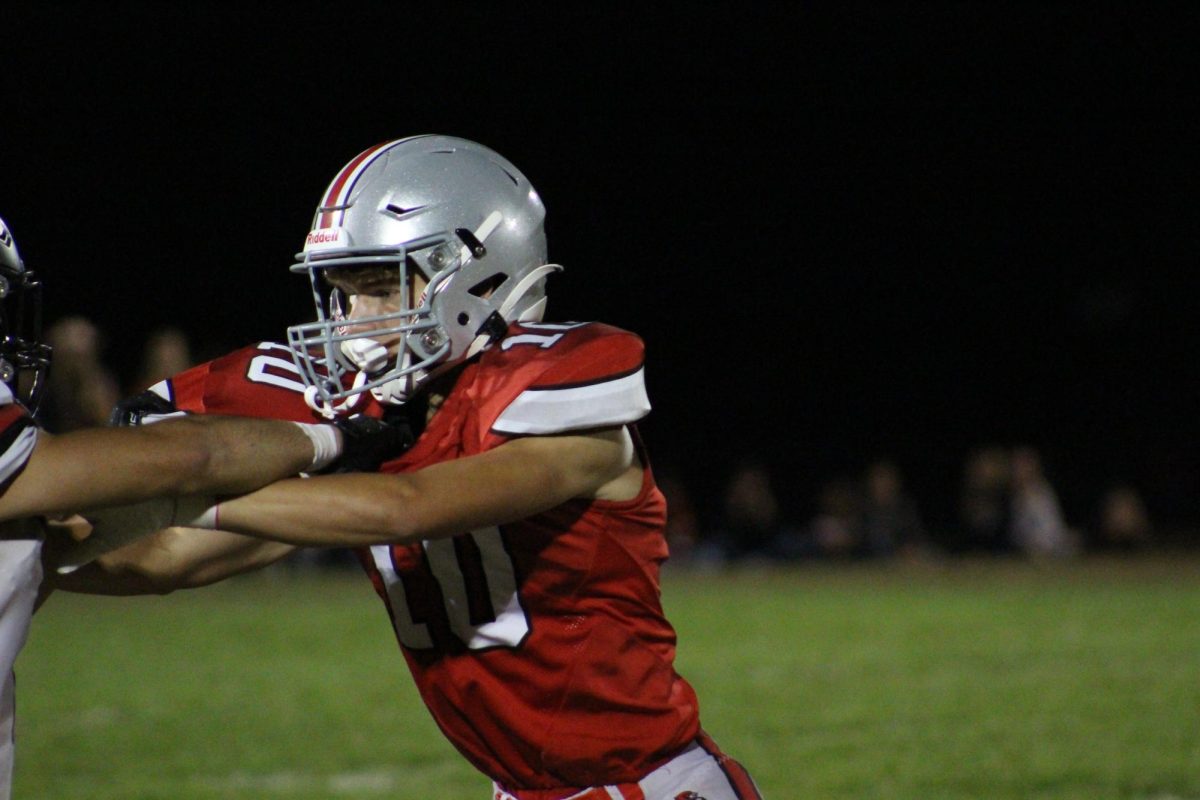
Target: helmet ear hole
464, 318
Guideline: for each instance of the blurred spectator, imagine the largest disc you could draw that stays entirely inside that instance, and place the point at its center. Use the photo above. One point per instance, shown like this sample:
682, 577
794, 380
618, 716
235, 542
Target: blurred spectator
985, 507
1037, 526
752, 525
891, 523
1124, 524
81, 390
167, 352
836, 530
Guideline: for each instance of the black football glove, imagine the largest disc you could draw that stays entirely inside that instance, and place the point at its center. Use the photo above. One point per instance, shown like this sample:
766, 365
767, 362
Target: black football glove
368, 442
132, 410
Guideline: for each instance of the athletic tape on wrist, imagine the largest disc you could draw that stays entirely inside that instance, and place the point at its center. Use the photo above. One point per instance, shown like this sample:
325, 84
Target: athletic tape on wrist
326, 444
197, 511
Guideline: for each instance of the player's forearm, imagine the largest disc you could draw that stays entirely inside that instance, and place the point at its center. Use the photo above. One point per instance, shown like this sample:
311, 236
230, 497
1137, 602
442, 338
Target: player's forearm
238, 455
134, 570
106, 466
331, 511
94, 579
175, 558
509, 483
446, 499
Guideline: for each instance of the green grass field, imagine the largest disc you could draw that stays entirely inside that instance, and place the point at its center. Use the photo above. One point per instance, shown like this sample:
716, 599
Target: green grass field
975, 680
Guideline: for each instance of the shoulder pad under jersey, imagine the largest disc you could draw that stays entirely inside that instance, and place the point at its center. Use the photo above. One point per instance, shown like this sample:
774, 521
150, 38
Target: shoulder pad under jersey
546, 378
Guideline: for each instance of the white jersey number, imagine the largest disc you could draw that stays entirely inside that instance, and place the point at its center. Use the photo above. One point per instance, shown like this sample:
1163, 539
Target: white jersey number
274, 370
479, 586
553, 331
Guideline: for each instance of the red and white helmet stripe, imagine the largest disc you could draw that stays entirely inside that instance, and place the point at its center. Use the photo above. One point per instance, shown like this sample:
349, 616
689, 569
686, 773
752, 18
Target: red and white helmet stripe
333, 205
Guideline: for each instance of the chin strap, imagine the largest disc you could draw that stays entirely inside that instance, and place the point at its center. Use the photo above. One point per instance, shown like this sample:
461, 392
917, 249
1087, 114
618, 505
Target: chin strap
398, 390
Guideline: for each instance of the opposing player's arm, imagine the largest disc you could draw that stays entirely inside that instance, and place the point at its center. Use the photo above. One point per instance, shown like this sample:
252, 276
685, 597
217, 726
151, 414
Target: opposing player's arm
516, 480
108, 466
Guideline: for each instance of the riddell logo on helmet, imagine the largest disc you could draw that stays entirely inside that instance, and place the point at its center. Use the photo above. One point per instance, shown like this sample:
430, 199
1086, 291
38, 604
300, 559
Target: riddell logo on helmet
323, 238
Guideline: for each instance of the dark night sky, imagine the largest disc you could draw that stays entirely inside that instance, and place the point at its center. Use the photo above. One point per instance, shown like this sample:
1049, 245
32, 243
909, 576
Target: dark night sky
844, 231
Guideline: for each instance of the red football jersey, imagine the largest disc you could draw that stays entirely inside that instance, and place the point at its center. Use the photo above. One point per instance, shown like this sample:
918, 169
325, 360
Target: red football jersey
540, 647
256, 381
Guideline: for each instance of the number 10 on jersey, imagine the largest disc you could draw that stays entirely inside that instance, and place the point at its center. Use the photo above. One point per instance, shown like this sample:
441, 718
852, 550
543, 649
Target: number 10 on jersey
478, 585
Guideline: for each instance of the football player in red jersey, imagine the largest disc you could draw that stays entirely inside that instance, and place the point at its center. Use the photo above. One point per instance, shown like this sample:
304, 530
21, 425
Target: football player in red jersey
517, 544
50, 476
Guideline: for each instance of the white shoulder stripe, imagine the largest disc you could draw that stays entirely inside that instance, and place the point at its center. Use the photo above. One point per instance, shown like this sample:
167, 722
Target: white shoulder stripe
14, 458
544, 411
150, 419
6, 395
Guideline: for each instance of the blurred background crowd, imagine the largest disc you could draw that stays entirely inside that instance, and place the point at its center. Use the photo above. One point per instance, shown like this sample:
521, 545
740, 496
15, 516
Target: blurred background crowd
1006, 501
1006, 505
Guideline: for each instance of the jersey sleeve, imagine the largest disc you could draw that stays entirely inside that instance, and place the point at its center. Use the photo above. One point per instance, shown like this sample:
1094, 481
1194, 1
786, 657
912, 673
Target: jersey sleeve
578, 377
257, 381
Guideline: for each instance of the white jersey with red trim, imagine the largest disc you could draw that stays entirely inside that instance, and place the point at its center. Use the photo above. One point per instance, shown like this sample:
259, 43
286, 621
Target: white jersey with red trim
20, 569
541, 647
18, 435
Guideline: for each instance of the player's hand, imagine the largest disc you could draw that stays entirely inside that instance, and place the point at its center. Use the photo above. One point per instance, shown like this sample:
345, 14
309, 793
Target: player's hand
63, 535
116, 526
368, 442
74, 527
132, 410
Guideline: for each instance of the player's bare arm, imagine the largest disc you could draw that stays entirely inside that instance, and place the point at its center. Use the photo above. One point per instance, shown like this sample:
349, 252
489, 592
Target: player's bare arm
174, 558
514, 481
521, 478
101, 467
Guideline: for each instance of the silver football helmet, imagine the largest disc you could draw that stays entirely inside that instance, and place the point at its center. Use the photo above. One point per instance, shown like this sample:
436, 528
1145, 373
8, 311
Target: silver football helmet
24, 359
460, 215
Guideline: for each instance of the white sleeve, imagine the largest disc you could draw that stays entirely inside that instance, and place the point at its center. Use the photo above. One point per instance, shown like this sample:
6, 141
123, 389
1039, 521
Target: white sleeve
579, 407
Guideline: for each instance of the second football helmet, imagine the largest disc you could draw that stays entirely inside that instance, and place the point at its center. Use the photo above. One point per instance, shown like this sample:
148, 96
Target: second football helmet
24, 359
458, 214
